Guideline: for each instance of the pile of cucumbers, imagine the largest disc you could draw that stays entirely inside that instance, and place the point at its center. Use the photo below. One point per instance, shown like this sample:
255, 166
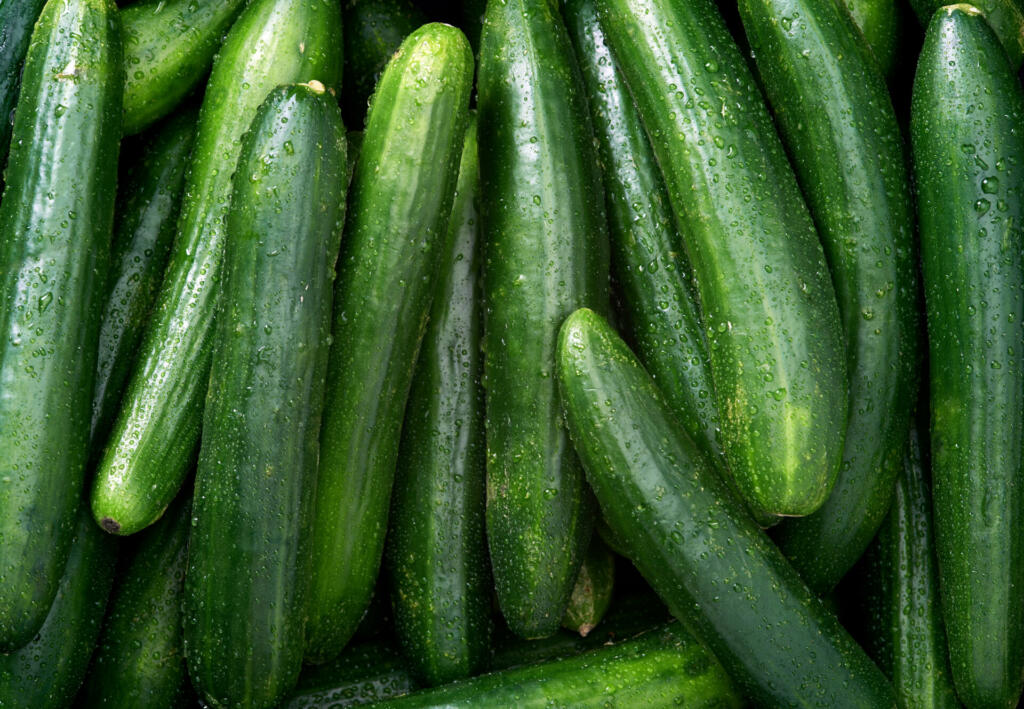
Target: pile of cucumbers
511, 353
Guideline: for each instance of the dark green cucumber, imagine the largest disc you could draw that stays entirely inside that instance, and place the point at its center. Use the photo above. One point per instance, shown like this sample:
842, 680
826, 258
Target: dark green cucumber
436, 549
592, 593
664, 667
399, 204
17, 18
362, 674
55, 225
692, 540
154, 437
138, 661
545, 254
248, 556
168, 48
46, 673
836, 119
768, 304
966, 113
374, 29
147, 212
1005, 17
880, 23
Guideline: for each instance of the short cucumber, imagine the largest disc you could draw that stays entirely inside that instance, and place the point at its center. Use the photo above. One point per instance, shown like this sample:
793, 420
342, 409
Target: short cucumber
768, 304
545, 254
399, 204
592, 593
154, 437
1005, 17
248, 556
966, 114
692, 540
880, 23
56, 219
17, 18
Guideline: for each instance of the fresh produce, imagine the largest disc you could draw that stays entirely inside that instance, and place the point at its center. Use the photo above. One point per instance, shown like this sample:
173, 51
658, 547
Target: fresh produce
16, 20
1005, 17
362, 674
880, 22
592, 593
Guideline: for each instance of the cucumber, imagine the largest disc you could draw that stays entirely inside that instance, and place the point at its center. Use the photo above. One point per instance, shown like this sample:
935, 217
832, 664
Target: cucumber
16, 20
149, 198
836, 120
248, 556
46, 673
436, 549
362, 674
966, 114
692, 540
592, 593
138, 660
1005, 17
399, 204
55, 225
154, 437
768, 304
545, 254
880, 23
168, 48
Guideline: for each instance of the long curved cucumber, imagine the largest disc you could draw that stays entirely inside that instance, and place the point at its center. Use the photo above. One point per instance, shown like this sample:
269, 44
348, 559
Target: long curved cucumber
545, 254
155, 434
592, 593
399, 204
966, 113
56, 219
692, 540
838, 124
880, 23
769, 308
17, 17
1005, 17
168, 48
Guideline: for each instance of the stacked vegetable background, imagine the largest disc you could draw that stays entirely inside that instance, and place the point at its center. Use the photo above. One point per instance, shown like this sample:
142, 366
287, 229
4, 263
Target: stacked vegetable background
621, 353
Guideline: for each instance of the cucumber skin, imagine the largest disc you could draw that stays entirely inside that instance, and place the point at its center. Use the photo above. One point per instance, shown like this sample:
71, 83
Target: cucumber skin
592, 593
244, 601
966, 94
836, 119
51, 278
17, 18
769, 309
545, 254
362, 674
138, 660
692, 540
880, 24
46, 673
399, 204
154, 437
149, 198
436, 548
1005, 17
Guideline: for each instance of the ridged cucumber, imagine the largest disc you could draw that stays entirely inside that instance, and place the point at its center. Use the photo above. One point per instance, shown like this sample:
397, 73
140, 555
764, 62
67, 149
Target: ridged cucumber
592, 593
880, 23
1005, 17
17, 17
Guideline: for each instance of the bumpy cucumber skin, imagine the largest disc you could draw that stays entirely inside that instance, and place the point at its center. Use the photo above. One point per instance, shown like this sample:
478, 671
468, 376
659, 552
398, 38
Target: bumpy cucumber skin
168, 48
769, 308
146, 215
592, 593
138, 661
46, 673
248, 558
1005, 17
966, 114
399, 204
16, 20
880, 24
836, 119
545, 254
55, 225
692, 540
154, 437
437, 552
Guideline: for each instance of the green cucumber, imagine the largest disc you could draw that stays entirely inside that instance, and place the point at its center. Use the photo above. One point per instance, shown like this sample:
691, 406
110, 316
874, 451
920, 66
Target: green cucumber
149, 197
17, 18
768, 304
248, 556
966, 113
692, 540
46, 673
836, 119
1005, 17
362, 674
56, 220
168, 48
399, 204
880, 23
138, 660
436, 549
154, 437
545, 254
592, 593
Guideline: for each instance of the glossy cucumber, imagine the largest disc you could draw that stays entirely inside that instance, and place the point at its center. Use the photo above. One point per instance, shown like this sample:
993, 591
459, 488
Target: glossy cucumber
1005, 17
836, 119
248, 557
154, 437
769, 308
55, 225
17, 18
168, 48
399, 204
692, 540
362, 674
545, 254
592, 593
880, 23
966, 115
